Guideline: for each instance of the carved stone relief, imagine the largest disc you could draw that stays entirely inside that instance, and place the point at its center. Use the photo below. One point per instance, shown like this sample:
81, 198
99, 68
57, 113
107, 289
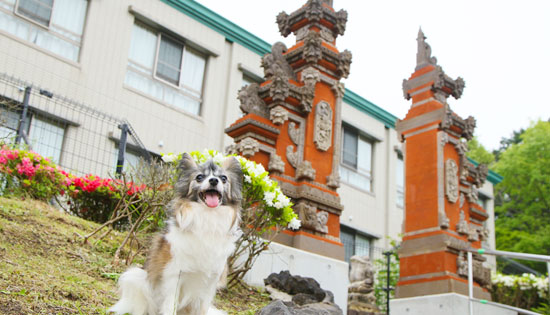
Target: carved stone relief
311, 219
305, 171
344, 62
248, 146
250, 101
444, 221
292, 156
275, 62
276, 163
310, 77
473, 233
312, 47
451, 180
481, 274
473, 194
278, 115
424, 52
279, 89
462, 226
322, 136
294, 133
333, 180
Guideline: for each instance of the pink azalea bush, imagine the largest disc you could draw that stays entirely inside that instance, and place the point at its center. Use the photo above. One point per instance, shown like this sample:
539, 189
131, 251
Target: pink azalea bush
28, 173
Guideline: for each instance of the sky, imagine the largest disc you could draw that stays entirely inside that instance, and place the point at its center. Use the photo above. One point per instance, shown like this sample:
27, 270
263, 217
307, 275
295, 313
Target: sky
500, 48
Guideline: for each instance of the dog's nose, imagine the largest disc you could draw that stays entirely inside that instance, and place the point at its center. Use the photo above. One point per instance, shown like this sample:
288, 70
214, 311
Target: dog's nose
213, 181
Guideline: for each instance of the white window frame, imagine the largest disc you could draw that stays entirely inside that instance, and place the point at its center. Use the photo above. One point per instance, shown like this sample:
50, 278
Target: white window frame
185, 90
400, 187
366, 174
16, 7
156, 62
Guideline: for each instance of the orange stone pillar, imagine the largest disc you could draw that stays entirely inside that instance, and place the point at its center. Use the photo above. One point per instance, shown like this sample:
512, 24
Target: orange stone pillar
292, 124
442, 217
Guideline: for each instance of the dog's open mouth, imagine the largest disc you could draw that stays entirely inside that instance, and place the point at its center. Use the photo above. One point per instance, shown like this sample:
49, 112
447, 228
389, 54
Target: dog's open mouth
211, 198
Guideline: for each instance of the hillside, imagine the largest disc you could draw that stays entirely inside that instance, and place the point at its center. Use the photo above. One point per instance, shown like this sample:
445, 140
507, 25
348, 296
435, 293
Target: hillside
45, 268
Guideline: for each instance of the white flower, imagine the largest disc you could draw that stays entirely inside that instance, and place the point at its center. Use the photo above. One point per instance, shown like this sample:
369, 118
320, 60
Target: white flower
247, 179
218, 158
294, 224
169, 158
268, 198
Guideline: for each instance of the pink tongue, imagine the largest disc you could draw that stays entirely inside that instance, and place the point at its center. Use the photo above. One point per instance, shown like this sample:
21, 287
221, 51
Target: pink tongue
212, 199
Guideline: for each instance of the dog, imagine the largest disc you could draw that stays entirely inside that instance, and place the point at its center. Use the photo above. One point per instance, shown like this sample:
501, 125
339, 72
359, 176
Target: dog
187, 260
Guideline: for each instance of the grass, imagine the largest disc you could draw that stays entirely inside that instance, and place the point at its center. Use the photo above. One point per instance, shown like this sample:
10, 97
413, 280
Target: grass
46, 269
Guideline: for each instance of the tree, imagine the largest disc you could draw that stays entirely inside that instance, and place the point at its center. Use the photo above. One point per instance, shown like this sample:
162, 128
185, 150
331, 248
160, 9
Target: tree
523, 217
478, 153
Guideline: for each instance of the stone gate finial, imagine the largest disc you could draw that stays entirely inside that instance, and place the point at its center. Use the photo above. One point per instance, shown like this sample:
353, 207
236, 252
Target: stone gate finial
424, 53
441, 84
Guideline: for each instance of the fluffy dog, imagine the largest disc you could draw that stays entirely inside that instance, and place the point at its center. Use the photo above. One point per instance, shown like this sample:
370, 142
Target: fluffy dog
187, 260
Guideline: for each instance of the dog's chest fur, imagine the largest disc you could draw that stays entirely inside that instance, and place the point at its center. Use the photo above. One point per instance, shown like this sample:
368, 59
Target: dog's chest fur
199, 240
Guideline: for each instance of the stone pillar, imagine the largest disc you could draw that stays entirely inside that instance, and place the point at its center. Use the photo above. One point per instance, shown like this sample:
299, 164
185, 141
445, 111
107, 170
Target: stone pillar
292, 123
442, 217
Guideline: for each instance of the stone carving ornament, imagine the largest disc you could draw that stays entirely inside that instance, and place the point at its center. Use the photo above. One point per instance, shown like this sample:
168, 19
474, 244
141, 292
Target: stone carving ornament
305, 171
276, 163
276, 61
322, 136
278, 115
292, 156
311, 219
250, 101
462, 226
294, 133
312, 47
310, 77
248, 146
451, 180
344, 62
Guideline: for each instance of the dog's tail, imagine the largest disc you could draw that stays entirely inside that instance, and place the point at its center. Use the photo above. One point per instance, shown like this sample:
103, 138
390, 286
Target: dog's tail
135, 293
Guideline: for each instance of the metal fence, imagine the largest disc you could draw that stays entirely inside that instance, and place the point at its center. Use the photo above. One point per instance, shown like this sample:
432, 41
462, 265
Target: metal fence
79, 138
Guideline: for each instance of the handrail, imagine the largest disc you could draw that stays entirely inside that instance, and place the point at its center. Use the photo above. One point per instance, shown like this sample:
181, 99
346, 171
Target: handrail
483, 251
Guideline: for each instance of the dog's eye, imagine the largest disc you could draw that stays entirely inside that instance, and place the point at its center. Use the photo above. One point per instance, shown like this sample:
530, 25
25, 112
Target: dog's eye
199, 178
223, 178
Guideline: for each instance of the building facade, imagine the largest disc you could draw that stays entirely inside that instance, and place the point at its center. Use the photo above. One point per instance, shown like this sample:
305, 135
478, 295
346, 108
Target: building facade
173, 69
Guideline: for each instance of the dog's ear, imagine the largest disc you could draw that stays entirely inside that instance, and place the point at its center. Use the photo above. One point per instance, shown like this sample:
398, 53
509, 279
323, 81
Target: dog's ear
233, 170
186, 167
187, 163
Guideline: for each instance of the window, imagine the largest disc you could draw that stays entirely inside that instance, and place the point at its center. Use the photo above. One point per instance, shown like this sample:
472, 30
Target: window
9, 121
165, 69
45, 134
400, 181
356, 159
46, 138
354, 243
56, 26
39, 11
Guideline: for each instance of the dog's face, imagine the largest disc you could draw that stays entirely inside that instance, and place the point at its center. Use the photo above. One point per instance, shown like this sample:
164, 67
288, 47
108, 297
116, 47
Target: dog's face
209, 183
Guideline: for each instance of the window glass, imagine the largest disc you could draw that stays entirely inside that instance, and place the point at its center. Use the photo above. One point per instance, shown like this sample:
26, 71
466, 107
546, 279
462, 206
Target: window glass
400, 180
143, 46
193, 71
39, 11
175, 63
46, 138
169, 60
364, 156
362, 245
349, 152
246, 80
70, 15
349, 244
